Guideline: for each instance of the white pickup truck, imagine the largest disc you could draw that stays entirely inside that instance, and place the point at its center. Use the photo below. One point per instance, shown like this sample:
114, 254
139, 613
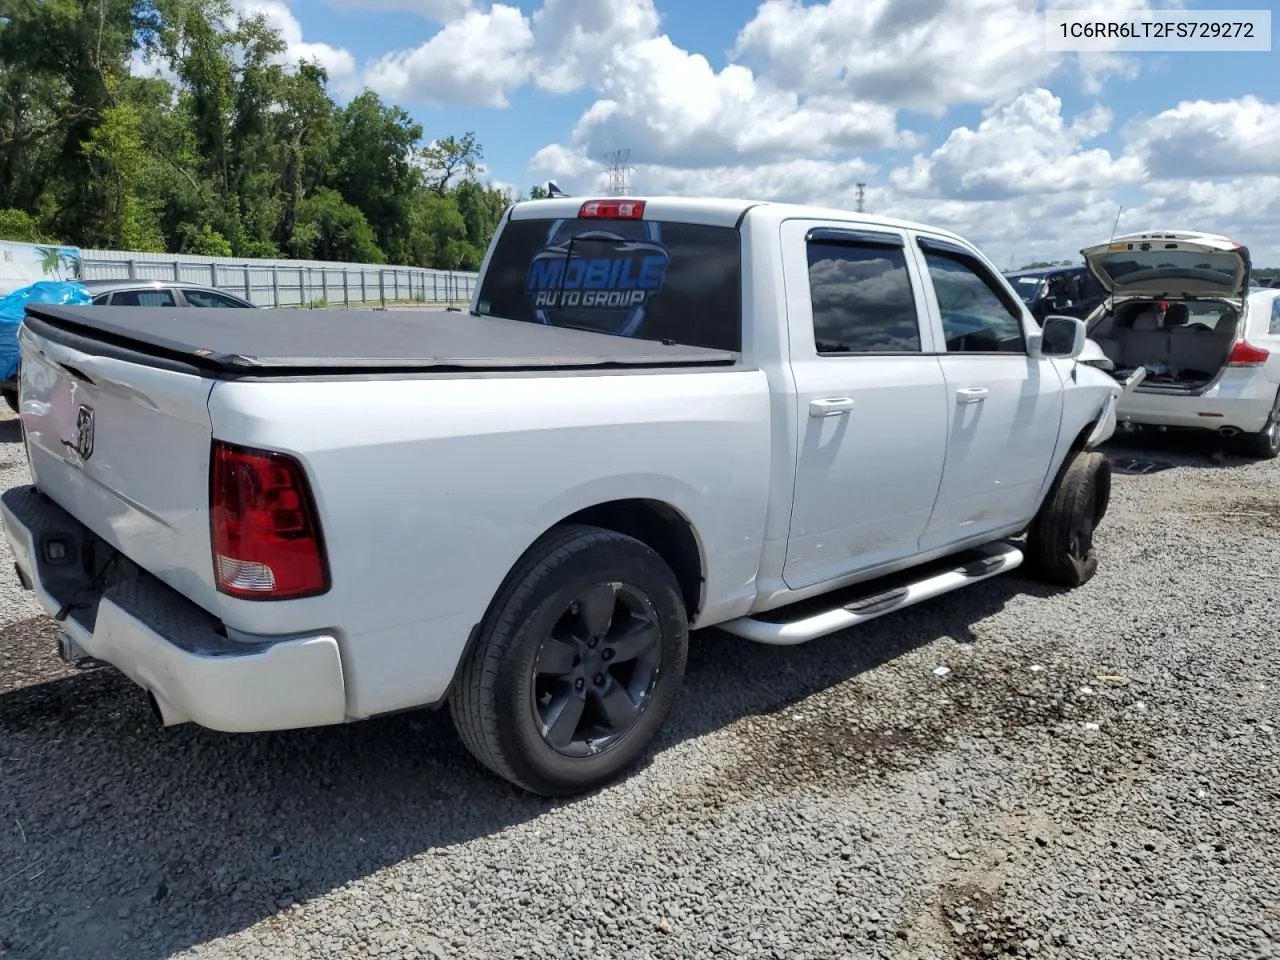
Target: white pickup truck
658, 415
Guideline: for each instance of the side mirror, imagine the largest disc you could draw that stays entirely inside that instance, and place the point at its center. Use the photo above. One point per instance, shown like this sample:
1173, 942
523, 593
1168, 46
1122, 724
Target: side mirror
1061, 338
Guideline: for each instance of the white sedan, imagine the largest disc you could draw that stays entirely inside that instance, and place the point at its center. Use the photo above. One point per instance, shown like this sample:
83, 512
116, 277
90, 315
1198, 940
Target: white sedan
1182, 310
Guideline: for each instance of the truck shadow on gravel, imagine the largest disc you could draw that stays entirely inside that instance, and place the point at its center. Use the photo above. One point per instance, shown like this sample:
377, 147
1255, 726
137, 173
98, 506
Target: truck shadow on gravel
1165, 450
140, 842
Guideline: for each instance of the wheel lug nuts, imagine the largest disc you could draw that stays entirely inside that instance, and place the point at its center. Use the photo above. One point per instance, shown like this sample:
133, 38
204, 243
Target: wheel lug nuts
592, 643
579, 683
608, 654
599, 679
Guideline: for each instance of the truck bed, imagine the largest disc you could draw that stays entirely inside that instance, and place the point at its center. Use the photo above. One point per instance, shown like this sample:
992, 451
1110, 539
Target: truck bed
237, 343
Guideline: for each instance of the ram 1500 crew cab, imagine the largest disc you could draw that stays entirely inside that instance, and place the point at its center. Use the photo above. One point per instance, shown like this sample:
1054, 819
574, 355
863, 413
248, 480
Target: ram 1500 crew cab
658, 415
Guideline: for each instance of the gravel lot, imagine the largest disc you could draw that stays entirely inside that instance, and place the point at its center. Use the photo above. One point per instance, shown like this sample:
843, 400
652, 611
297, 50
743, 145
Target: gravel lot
1096, 776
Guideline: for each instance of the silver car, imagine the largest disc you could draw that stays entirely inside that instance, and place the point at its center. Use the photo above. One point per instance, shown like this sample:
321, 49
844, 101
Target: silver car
160, 293
1182, 310
143, 293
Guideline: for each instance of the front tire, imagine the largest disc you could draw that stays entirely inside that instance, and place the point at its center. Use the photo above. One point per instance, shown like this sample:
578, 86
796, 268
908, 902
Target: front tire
577, 665
1265, 444
1060, 548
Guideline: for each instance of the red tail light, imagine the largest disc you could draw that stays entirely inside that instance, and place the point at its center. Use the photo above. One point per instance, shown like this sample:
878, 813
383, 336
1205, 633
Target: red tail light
264, 527
1247, 355
612, 210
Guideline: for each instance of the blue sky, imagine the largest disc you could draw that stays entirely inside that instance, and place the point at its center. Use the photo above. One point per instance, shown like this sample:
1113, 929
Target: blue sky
951, 111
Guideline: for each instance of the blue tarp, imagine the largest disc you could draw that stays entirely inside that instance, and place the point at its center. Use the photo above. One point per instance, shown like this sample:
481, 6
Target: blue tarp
12, 310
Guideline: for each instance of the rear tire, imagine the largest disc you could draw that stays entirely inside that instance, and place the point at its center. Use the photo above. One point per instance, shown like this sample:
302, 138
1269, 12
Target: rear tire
11, 398
577, 664
1060, 548
1265, 444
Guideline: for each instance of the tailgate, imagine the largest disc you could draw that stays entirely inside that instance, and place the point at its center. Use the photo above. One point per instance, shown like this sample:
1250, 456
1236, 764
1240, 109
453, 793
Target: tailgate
124, 448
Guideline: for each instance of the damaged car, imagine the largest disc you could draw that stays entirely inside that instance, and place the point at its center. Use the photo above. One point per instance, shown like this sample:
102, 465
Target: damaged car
1180, 309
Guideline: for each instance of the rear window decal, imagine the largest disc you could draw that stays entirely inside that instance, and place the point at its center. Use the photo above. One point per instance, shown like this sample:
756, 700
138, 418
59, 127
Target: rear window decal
601, 278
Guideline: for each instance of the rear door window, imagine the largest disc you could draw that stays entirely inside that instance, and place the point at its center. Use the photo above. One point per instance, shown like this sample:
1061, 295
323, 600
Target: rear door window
210, 298
862, 299
648, 279
143, 298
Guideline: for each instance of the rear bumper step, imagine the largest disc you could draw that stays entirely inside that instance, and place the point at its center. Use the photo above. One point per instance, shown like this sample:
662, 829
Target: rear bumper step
177, 652
980, 564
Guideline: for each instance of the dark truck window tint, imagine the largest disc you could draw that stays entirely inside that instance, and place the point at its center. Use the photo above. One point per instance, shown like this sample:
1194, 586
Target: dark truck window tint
976, 317
143, 298
652, 280
862, 300
210, 298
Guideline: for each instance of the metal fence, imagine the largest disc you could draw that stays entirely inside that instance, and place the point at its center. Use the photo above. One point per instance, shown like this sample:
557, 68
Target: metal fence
286, 283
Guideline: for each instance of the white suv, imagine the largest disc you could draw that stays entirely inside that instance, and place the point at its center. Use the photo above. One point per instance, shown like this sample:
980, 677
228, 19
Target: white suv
1181, 309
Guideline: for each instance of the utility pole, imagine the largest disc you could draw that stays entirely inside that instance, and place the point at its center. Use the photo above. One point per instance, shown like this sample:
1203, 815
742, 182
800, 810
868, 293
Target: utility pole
862, 193
618, 170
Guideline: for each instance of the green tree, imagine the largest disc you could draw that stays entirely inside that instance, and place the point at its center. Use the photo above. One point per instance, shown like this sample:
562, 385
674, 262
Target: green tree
329, 228
449, 161
240, 154
19, 225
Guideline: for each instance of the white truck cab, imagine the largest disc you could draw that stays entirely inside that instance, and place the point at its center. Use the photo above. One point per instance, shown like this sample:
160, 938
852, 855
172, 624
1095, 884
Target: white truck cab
660, 414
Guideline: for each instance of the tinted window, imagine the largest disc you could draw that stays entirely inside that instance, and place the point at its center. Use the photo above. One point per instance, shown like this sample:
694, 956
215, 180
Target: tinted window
975, 317
1027, 287
143, 298
208, 298
1275, 316
633, 278
862, 301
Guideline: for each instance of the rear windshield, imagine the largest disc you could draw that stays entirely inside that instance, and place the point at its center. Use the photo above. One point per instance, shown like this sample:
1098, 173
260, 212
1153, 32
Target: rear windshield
649, 279
1130, 267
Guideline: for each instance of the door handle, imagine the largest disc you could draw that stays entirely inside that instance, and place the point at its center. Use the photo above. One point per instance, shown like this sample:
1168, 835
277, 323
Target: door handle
830, 407
971, 394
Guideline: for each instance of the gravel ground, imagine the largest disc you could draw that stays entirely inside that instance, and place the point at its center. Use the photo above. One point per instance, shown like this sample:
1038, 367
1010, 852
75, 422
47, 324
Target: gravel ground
1095, 776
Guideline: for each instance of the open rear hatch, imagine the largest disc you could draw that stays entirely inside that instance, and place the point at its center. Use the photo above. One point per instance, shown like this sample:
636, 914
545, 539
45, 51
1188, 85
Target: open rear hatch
1175, 308
1170, 265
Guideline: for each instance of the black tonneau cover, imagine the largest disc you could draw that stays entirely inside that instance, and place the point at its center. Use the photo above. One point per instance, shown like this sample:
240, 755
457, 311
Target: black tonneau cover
289, 342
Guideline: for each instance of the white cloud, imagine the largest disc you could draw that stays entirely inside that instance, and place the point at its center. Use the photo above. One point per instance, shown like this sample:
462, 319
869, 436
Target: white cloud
440, 11
921, 54
677, 110
473, 61
576, 40
1021, 147
1203, 138
815, 181
811, 87
1246, 209
337, 61
794, 180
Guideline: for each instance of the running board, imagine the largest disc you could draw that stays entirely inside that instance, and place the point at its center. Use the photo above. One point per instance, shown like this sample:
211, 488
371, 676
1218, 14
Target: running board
982, 564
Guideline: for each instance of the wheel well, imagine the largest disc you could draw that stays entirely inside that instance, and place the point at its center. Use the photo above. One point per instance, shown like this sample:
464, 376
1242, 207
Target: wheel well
660, 527
1082, 437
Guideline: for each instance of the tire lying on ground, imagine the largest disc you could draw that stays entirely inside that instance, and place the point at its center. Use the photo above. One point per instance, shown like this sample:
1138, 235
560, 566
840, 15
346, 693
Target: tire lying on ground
577, 663
1060, 547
